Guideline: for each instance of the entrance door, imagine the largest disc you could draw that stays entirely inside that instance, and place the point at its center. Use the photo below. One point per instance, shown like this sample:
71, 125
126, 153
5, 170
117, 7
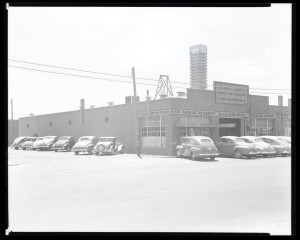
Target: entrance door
230, 127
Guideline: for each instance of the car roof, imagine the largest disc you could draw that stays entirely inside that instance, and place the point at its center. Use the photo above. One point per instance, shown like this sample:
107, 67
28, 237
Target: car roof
231, 137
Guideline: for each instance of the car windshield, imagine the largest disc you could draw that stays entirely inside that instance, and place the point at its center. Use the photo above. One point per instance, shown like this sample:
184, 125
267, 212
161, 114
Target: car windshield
239, 140
64, 138
85, 139
248, 140
258, 140
106, 139
49, 137
205, 140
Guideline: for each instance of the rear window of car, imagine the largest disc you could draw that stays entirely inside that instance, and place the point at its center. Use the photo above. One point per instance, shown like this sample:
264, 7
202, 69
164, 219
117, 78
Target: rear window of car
206, 140
85, 139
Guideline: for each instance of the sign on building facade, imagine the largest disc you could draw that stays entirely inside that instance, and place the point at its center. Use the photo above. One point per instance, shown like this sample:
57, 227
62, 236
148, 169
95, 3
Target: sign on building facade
230, 93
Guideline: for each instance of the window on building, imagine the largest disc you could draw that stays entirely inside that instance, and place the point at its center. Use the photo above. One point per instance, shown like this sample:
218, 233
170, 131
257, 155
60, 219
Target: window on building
262, 126
27, 125
50, 124
153, 131
70, 122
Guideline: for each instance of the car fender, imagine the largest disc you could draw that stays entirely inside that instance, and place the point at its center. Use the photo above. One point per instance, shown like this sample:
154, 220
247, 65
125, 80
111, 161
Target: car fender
242, 149
120, 147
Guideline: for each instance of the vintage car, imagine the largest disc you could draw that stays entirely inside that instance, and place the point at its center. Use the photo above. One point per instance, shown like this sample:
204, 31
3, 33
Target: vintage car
265, 148
108, 145
85, 144
197, 147
28, 143
35, 144
282, 148
65, 143
237, 147
47, 143
18, 141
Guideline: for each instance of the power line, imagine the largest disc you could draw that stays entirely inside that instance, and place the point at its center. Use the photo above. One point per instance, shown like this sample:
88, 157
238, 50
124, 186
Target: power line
75, 75
118, 75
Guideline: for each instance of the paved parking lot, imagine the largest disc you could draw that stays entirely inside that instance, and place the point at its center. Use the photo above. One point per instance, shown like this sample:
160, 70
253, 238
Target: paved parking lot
51, 191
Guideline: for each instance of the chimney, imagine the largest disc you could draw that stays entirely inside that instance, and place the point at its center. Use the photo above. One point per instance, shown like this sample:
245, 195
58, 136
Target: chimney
110, 103
280, 101
289, 102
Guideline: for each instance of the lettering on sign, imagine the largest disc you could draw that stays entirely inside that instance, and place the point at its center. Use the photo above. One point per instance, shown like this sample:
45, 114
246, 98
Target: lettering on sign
231, 93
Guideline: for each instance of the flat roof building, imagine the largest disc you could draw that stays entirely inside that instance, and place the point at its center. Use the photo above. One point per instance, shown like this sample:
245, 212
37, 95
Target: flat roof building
226, 110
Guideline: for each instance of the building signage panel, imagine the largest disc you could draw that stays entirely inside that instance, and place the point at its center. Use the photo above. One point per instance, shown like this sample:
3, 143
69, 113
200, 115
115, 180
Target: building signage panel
193, 112
231, 114
230, 93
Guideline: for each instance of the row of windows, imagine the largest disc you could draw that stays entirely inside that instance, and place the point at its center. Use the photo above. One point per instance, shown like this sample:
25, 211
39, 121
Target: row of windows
51, 124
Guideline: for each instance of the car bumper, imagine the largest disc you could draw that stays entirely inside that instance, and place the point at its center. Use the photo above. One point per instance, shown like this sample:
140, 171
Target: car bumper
80, 150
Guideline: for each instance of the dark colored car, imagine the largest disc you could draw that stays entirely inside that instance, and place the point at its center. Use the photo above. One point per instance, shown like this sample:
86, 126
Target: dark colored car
108, 145
47, 142
65, 143
282, 148
28, 143
85, 144
237, 147
18, 141
265, 148
197, 147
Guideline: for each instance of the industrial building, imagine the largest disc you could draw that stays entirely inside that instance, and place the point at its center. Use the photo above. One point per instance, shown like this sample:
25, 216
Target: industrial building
228, 109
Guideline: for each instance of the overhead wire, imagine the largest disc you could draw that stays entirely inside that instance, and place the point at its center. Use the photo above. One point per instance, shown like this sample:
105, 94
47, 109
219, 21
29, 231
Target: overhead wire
118, 75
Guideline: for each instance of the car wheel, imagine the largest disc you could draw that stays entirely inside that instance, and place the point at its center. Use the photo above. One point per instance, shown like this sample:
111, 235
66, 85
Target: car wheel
76, 152
237, 154
192, 156
212, 158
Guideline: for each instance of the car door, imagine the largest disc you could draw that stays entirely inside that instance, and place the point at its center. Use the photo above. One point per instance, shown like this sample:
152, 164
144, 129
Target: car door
228, 145
185, 147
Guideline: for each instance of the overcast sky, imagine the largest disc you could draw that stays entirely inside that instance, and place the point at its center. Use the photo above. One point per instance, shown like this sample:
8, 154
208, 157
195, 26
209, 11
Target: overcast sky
249, 46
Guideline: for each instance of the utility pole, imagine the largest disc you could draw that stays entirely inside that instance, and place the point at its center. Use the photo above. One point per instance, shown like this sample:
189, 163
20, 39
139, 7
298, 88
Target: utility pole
135, 117
12, 120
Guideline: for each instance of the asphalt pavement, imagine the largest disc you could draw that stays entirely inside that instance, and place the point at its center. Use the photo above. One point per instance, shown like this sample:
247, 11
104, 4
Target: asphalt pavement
61, 192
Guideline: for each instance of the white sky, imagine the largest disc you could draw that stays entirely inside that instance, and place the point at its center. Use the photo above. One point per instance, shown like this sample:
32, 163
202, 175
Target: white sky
249, 46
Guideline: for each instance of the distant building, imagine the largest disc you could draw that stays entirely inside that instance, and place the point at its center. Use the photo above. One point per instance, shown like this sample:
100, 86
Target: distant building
198, 66
12, 135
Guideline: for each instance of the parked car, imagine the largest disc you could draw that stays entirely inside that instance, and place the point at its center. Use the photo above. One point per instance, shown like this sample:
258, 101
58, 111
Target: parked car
237, 147
85, 144
282, 148
47, 142
108, 145
18, 141
36, 143
65, 143
28, 143
284, 138
197, 147
265, 148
